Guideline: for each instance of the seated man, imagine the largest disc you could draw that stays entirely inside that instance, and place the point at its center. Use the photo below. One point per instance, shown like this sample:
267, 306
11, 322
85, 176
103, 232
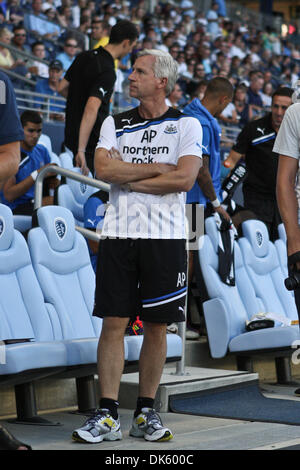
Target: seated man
18, 191
48, 86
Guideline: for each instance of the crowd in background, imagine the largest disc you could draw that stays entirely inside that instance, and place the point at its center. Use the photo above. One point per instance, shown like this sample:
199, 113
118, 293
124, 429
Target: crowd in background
205, 45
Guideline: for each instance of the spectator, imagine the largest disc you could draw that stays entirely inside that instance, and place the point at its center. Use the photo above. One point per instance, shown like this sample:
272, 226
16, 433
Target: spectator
253, 93
213, 20
37, 23
125, 101
36, 67
6, 59
68, 55
174, 98
88, 92
14, 12
49, 86
18, 41
99, 33
18, 190
255, 144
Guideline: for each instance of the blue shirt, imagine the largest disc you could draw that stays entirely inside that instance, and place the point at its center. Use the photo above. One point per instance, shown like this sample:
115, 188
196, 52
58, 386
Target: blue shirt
65, 60
210, 146
11, 129
32, 160
42, 86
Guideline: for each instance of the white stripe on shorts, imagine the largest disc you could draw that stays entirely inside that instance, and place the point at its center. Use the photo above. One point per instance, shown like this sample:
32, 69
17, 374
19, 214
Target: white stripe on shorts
154, 304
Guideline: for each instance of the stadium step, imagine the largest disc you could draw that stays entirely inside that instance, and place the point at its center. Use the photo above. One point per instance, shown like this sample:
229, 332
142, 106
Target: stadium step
192, 380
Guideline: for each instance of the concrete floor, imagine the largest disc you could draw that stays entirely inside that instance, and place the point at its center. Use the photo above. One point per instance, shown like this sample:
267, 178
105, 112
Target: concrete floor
191, 433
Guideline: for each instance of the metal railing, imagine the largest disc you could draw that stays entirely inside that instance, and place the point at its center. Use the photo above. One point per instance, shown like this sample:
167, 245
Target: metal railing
38, 200
40, 102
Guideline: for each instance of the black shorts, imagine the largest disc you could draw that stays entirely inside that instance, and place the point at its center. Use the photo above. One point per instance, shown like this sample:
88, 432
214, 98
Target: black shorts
141, 277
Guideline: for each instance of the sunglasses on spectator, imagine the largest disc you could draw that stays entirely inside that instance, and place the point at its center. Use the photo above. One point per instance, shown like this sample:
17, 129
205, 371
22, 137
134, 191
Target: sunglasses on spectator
20, 34
71, 45
34, 130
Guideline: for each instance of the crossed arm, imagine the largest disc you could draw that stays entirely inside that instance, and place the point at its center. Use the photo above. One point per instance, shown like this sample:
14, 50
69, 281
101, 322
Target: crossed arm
152, 178
9, 160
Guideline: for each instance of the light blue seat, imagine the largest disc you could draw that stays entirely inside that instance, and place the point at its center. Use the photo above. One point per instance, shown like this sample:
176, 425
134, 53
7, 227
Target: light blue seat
264, 269
230, 307
66, 161
73, 195
22, 222
62, 265
23, 314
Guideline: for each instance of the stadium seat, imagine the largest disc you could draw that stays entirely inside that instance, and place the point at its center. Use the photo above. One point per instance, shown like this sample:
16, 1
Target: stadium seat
231, 307
22, 222
62, 265
73, 196
24, 321
264, 270
66, 161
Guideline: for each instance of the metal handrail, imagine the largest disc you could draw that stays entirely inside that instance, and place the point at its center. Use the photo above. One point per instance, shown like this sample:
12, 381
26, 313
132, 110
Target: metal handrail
38, 199
22, 53
38, 195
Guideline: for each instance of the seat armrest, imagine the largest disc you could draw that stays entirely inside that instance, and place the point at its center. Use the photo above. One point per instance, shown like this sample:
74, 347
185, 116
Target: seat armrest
218, 327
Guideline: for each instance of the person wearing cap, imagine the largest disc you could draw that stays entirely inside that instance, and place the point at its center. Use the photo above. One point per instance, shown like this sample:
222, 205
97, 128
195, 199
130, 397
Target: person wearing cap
49, 86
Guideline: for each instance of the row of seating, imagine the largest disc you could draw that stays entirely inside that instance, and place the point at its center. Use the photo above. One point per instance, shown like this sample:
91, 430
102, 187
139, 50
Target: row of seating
260, 270
47, 297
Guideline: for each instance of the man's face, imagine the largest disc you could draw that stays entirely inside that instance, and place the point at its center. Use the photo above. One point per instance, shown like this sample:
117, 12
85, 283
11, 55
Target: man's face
71, 47
55, 75
32, 134
97, 31
143, 83
19, 36
279, 106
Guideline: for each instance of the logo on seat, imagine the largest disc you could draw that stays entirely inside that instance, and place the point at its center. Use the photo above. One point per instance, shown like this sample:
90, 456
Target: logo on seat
1, 226
259, 238
60, 228
83, 188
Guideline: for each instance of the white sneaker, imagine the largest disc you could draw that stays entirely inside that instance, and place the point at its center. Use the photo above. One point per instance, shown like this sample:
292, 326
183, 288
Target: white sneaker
100, 427
149, 426
191, 334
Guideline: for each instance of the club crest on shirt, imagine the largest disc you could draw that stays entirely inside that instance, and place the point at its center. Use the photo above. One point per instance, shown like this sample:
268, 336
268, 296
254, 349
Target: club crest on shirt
1, 226
60, 228
171, 129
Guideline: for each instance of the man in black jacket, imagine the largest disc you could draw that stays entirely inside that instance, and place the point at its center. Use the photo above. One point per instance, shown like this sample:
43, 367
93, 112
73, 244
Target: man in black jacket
255, 144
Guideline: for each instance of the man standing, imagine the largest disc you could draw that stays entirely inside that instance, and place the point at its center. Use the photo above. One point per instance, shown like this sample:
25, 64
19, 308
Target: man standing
255, 144
207, 189
11, 133
151, 155
88, 85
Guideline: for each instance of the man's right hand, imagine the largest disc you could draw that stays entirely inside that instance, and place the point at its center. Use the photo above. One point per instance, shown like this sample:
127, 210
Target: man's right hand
80, 162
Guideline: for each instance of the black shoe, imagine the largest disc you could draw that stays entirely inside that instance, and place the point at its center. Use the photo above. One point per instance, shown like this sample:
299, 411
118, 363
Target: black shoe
8, 442
297, 392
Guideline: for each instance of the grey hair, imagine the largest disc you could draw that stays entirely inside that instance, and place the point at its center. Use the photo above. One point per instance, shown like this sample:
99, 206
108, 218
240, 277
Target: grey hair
164, 67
